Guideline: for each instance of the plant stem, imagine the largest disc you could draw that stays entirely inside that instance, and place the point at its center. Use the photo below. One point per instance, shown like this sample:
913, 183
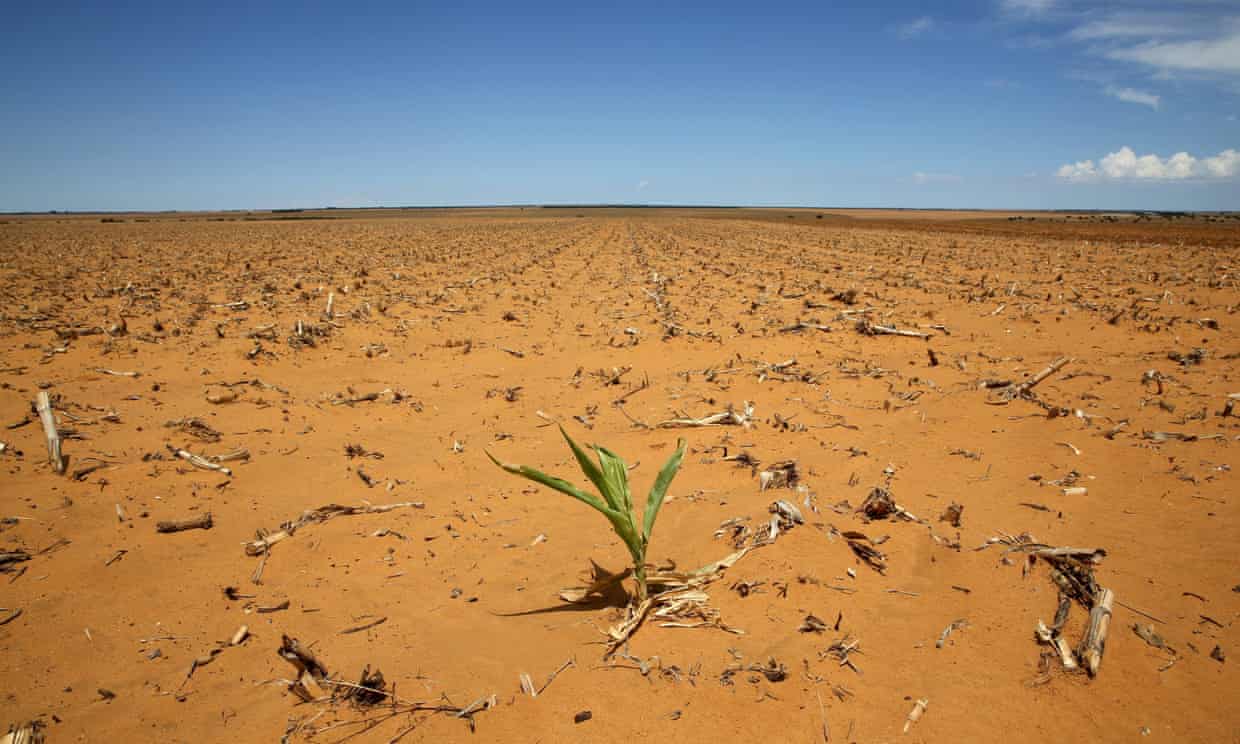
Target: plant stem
639, 573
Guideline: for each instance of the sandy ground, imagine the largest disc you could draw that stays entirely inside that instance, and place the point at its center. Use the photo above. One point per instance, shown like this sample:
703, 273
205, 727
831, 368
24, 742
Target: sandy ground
477, 331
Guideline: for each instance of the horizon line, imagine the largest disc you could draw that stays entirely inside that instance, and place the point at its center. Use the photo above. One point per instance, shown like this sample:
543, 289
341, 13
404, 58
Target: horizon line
598, 205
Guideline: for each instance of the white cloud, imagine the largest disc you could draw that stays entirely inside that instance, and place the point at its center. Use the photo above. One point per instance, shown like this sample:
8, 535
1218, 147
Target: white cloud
921, 178
1027, 7
1132, 95
641, 185
915, 27
1082, 170
1131, 25
1124, 164
1218, 55
1224, 165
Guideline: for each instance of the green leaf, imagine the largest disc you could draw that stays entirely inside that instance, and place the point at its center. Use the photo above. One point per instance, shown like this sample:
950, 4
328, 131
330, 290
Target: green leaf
659, 489
558, 484
616, 478
591, 470
622, 524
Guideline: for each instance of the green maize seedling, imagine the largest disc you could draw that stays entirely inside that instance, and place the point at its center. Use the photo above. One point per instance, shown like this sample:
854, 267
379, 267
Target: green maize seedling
614, 501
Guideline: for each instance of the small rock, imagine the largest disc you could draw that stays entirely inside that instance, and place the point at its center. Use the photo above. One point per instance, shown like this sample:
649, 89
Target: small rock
583, 716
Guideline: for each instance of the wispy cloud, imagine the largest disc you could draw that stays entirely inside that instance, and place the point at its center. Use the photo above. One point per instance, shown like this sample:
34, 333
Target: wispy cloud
1214, 55
1027, 7
1130, 25
1126, 165
642, 184
921, 178
1160, 40
915, 27
1132, 95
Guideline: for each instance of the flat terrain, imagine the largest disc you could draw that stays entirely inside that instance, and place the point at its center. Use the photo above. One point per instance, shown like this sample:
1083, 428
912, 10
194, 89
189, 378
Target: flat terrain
455, 332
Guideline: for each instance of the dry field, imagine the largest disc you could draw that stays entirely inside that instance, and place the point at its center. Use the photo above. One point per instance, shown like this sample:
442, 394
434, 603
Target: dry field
455, 333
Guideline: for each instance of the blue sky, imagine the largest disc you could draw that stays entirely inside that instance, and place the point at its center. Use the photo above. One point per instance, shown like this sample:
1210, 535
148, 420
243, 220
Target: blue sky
987, 103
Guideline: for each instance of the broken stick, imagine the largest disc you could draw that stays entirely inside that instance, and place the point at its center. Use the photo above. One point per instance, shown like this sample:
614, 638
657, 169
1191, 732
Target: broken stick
197, 523
263, 542
1095, 640
1037, 379
866, 328
44, 406
198, 461
365, 626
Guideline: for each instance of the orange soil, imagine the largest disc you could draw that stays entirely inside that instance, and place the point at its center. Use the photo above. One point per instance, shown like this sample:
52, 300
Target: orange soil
433, 288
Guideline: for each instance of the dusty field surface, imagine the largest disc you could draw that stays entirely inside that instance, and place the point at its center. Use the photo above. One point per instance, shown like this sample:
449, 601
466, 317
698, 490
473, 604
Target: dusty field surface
451, 333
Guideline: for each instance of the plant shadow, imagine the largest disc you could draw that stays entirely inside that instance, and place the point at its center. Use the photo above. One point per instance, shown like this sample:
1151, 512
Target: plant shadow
606, 590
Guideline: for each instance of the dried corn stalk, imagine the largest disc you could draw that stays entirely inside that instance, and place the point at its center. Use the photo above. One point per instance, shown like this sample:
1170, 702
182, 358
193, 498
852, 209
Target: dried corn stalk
263, 542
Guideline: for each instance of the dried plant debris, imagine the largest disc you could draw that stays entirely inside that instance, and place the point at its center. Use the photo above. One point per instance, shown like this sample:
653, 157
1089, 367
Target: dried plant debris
366, 625
30, 732
879, 504
865, 549
771, 671
953, 625
356, 450
745, 588
728, 417
371, 689
1176, 436
787, 514
742, 459
1009, 391
1147, 633
1072, 571
197, 428
676, 598
914, 715
738, 529
952, 514
842, 650
1188, 358
265, 539
311, 672
812, 624
783, 474
10, 557
201, 522
199, 461
867, 328
314, 685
